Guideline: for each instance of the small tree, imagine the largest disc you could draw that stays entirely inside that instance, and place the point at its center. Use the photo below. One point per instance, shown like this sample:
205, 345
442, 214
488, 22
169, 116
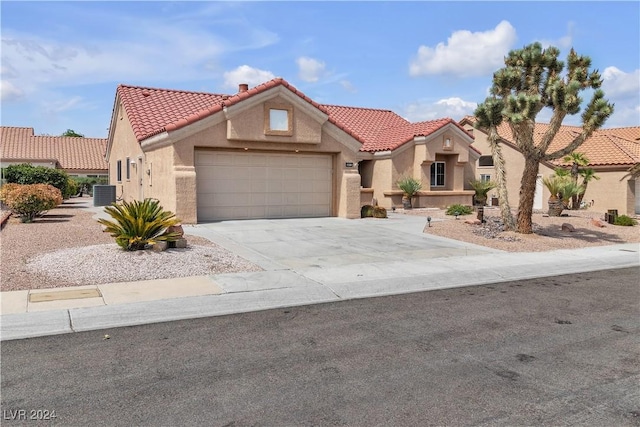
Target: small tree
482, 189
533, 79
409, 186
578, 161
72, 133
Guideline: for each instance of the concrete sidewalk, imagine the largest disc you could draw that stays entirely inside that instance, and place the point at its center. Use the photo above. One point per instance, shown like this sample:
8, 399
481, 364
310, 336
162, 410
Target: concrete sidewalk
56, 311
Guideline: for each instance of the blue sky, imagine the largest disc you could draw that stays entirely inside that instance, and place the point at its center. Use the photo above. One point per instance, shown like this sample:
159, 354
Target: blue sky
62, 61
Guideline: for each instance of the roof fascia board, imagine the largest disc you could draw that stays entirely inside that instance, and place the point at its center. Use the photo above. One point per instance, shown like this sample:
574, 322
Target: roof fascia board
114, 114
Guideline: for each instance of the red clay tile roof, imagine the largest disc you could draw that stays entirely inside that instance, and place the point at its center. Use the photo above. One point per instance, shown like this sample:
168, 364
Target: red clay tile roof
152, 111
20, 143
605, 147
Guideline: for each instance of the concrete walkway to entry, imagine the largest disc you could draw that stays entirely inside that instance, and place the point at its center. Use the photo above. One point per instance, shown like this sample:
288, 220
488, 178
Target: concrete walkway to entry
305, 261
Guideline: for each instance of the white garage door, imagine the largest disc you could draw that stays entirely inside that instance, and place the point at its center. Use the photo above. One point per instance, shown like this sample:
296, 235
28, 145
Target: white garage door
234, 185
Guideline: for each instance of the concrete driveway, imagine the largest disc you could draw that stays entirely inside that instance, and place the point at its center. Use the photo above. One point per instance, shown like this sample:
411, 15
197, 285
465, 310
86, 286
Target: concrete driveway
308, 243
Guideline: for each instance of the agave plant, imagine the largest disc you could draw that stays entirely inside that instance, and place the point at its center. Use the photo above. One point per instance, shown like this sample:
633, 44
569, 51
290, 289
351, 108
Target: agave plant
139, 223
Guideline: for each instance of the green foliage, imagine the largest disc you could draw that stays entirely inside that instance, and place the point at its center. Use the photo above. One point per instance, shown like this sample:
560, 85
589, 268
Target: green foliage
29, 174
482, 188
29, 201
562, 187
460, 209
72, 133
379, 212
625, 220
409, 186
366, 211
85, 184
138, 224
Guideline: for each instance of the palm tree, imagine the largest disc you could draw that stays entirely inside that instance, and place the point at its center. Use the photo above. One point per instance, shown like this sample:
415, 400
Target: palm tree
587, 176
561, 189
578, 160
481, 188
409, 186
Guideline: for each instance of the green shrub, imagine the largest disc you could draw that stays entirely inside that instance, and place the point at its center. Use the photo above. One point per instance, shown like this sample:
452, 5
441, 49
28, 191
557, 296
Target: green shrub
379, 212
138, 224
366, 211
409, 186
31, 200
85, 184
29, 174
461, 209
71, 189
625, 220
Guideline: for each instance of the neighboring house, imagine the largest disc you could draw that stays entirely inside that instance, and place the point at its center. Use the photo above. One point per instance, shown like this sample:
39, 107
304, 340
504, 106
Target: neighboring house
82, 157
611, 153
272, 152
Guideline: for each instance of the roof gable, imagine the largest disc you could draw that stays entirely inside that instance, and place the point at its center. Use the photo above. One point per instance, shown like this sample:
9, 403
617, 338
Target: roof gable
20, 143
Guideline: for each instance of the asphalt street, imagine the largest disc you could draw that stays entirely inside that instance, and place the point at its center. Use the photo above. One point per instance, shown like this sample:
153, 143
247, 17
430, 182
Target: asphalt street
563, 350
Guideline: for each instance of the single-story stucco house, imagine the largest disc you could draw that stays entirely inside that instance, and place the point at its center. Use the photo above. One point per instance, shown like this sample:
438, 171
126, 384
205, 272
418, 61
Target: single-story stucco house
272, 152
81, 157
611, 153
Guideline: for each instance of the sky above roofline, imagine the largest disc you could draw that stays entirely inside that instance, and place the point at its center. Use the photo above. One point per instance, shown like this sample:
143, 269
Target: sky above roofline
62, 61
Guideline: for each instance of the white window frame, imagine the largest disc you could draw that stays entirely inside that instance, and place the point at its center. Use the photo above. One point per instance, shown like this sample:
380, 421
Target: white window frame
434, 174
485, 177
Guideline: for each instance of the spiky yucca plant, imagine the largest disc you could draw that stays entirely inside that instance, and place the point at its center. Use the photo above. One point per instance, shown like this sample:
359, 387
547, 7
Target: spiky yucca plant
139, 223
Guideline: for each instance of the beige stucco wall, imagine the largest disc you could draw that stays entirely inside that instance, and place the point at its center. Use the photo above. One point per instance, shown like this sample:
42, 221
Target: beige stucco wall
125, 146
611, 191
414, 159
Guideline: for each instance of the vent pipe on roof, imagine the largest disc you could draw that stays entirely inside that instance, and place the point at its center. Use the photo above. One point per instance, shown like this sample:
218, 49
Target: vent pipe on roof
243, 87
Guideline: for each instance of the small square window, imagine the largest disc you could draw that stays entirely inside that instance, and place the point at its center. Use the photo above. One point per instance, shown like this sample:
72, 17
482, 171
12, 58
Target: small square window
128, 168
278, 119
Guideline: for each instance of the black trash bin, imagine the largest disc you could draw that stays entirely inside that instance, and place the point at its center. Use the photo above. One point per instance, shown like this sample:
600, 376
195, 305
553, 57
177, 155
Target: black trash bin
611, 216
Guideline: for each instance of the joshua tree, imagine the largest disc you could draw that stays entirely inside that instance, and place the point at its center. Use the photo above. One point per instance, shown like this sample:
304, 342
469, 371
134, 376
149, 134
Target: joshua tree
533, 78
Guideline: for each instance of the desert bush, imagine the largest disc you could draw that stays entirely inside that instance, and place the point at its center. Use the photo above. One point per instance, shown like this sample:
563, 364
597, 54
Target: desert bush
29, 174
30, 200
461, 209
625, 220
409, 186
379, 212
366, 211
140, 223
72, 188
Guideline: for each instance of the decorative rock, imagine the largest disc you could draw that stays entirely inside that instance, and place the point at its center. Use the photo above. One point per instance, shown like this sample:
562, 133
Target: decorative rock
176, 229
160, 246
598, 223
473, 221
178, 244
568, 227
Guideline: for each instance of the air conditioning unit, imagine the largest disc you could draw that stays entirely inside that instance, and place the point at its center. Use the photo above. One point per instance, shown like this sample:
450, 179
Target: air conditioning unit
104, 195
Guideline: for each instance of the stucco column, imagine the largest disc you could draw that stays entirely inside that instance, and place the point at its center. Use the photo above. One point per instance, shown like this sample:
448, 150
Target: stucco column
458, 178
349, 205
186, 197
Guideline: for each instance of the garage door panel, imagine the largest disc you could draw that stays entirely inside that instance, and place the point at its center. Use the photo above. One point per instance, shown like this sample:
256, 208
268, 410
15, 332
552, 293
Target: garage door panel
238, 185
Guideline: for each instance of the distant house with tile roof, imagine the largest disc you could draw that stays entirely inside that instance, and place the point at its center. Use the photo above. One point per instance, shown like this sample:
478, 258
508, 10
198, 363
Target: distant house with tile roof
611, 153
78, 156
272, 152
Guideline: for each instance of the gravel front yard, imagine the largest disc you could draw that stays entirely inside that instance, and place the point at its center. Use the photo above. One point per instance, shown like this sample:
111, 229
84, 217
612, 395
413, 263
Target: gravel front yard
67, 247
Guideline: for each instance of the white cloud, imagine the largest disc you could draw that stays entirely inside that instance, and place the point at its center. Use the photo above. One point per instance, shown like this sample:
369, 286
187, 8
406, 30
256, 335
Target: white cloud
617, 83
454, 107
466, 53
564, 42
246, 74
309, 69
148, 49
348, 86
8, 92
